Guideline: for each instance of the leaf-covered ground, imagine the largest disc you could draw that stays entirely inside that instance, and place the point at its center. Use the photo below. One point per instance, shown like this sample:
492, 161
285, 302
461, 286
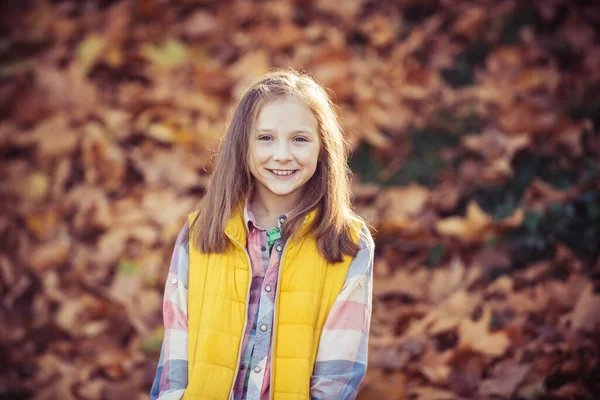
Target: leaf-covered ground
476, 153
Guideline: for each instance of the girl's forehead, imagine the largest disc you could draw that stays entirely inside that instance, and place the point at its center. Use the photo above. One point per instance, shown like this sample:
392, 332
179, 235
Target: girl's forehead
286, 111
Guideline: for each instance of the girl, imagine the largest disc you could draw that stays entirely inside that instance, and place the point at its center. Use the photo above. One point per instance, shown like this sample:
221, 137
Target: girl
269, 290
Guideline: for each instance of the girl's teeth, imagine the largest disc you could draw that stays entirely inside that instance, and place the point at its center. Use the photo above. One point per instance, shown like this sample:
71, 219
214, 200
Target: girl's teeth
282, 173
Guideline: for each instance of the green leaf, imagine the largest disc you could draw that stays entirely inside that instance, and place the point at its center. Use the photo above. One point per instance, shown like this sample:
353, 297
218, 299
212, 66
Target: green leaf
435, 255
153, 342
532, 220
128, 267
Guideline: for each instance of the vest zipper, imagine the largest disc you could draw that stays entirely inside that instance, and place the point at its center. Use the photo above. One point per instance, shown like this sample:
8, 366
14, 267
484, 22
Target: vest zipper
275, 321
237, 363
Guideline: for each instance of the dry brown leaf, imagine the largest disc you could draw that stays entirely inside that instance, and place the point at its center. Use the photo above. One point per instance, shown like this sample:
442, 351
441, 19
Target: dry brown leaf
531, 300
348, 13
586, 314
469, 22
276, 38
42, 224
399, 203
104, 162
430, 393
50, 254
466, 372
476, 335
382, 30
153, 203
448, 280
445, 196
167, 167
247, 69
434, 365
473, 227
69, 315
68, 89
200, 24
383, 386
404, 283
90, 208
330, 68
55, 138
446, 315
93, 389
504, 380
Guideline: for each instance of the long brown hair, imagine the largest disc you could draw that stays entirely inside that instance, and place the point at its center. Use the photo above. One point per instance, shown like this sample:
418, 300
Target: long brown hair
327, 191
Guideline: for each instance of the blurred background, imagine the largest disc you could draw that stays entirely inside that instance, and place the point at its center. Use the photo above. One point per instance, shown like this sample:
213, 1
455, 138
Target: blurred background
475, 152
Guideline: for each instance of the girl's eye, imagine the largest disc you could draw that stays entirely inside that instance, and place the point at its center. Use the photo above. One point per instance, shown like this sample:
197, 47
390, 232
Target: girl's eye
264, 137
300, 139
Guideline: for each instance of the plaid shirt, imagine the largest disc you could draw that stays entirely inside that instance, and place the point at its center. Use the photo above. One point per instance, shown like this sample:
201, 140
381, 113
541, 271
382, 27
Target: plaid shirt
342, 355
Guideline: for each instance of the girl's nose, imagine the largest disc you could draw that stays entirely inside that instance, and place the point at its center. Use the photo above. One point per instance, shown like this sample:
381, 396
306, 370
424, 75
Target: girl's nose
282, 152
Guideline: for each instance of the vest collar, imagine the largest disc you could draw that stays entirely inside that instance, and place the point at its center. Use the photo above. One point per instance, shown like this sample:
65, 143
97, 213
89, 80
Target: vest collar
237, 229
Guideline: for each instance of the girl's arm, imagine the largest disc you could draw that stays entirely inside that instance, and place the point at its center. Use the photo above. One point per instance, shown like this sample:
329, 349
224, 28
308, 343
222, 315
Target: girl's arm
171, 375
342, 356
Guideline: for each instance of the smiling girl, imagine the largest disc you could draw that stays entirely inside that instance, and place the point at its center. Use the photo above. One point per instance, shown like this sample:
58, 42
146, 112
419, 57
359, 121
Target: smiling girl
270, 285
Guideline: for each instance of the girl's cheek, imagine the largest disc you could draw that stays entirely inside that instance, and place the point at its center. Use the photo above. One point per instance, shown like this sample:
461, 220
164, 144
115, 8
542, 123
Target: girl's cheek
259, 152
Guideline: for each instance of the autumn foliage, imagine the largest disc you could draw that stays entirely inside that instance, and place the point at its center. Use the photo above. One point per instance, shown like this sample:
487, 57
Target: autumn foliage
476, 154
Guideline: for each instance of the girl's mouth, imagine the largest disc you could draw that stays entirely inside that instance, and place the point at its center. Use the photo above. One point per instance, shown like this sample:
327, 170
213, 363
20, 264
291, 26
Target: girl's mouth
283, 173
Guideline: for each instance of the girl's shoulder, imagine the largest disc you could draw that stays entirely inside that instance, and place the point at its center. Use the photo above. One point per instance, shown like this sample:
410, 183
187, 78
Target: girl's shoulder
360, 231
183, 236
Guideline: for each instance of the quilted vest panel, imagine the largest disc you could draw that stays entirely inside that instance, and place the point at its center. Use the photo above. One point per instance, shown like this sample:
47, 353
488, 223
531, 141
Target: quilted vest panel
217, 311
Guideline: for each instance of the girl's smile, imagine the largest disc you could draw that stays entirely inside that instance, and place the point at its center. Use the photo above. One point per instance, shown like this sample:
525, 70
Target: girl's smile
283, 173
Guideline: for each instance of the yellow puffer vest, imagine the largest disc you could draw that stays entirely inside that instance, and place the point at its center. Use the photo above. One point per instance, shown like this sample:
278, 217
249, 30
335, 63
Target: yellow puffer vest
219, 287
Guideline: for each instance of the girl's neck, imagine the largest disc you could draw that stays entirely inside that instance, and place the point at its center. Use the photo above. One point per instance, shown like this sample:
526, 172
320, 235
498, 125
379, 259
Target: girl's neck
267, 208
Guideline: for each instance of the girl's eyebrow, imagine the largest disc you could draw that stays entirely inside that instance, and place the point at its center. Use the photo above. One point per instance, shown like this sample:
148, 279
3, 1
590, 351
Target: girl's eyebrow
292, 132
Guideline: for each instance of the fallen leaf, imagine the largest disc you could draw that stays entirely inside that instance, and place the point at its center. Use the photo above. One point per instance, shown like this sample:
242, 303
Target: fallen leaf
50, 254
171, 53
476, 335
586, 314
504, 380
429, 393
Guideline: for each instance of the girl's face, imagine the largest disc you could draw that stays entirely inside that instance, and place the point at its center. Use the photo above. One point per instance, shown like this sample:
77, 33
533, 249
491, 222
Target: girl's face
284, 148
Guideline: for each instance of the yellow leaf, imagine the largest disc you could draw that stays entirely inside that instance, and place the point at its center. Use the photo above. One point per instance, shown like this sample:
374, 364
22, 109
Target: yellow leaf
114, 57
170, 54
472, 227
43, 225
90, 51
36, 187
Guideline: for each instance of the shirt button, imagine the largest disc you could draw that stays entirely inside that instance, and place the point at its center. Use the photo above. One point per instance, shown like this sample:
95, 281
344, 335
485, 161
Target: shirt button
263, 328
174, 281
242, 367
257, 369
268, 288
263, 248
278, 248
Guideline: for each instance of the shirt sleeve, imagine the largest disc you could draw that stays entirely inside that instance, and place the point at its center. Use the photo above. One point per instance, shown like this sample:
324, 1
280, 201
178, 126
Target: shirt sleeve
342, 355
171, 376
